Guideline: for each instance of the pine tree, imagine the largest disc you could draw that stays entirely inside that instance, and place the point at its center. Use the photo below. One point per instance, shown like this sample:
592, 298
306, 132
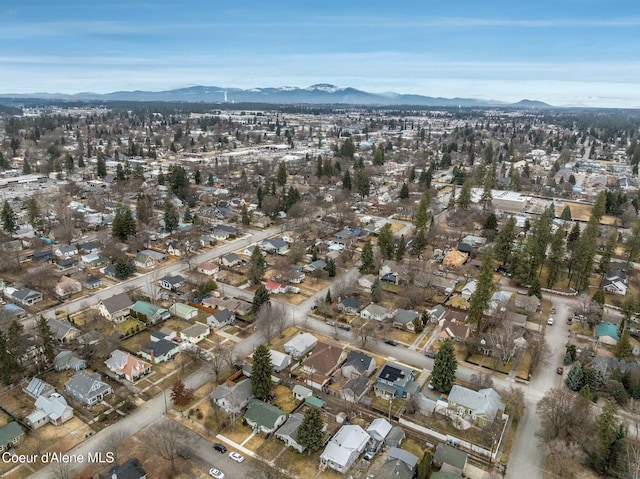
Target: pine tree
444, 367
16, 347
261, 372
346, 180
331, 267
171, 216
480, 298
5, 366
611, 459
419, 243
421, 218
328, 299
101, 167
281, 177
310, 433
260, 297
124, 225
575, 379
401, 248
464, 198
367, 259
376, 291
257, 266
47, 340
124, 267
246, 219
404, 192
9, 219
385, 241
555, 261
566, 214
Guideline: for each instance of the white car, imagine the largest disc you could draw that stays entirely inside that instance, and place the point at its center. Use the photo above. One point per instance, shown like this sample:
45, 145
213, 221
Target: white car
550, 321
236, 456
218, 474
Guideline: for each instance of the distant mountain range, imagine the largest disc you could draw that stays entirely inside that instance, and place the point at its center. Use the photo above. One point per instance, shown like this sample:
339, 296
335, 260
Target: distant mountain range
320, 94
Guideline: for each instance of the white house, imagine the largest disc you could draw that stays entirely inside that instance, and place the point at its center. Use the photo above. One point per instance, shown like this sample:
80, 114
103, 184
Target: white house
301, 345
195, 333
375, 311
469, 289
344, 448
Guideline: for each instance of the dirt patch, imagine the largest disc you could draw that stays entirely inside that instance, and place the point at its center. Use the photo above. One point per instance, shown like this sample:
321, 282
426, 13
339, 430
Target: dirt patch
271, 449
301, 465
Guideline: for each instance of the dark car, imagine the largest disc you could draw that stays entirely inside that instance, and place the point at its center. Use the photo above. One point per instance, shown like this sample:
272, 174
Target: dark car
430, 354
391, 342
345, 327
183, 453
560, 370
220, 448
270, 397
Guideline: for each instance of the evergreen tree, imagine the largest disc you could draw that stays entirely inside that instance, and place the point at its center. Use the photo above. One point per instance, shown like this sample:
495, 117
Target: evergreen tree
464, 198
404, 192
566, 214
363, 184
419, 243
144, 209
257, 266
605, 258
444, 367
378, 155
623, 348
171, 216
367, 259
34, 214
385, 241
16, 347
310, 433
124, 267
260, 297
611, 459
281, 177
480, 298
47, 340
331, 267
424, 465
421, 218
346, 180
575, 379
124, 225
632, 245
5, 367
376, 291
9, 219
574, 236
491, 223
246, 219
101, 167
197, 177
328, 299
555, 262
261, 372
400, 250
347, 149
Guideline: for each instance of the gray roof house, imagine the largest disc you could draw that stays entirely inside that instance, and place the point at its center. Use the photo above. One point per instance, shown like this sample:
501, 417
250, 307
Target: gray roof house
232, 398
358, 364
132, 469
300, 345
159, 350
375, 311
63, 330
171, 283
450, 459
195, 333
349, 305
10, 435
66, 360
88, 388
115, 308
315, 266
264, 418
354, 389
289, 430
395, 437
279, 360
400, 464
480, 406
222, 318
344, 448
404, 319
395, 380
378, 430
23, 296
50, 409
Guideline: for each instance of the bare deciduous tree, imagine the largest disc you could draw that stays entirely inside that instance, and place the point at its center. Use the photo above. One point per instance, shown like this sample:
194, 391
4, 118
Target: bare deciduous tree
503, 341
364, 329
114, 441
264, 324
164, 438
481, 381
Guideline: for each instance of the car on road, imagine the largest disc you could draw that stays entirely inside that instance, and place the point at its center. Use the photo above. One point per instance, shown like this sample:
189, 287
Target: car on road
560, 370
550, 321
430, 354
391, 342
236, 456
553, 310
217, 473
430, 385
221, 448
345, 327
183, 453
331, 323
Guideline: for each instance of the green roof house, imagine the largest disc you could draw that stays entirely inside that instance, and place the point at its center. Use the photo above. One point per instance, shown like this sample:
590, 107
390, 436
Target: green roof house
607, 333
10, 435
150, 311
263, 417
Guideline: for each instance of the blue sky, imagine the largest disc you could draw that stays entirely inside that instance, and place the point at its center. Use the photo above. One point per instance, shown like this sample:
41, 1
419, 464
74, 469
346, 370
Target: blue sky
564, 52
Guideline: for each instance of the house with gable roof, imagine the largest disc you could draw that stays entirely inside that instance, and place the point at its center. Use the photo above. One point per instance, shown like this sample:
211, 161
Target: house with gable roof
376, 312
358, 364
125, 365
355, 389
344, 448
395, 380
479, 406
159, 349
300, 345
68, 360
50, 409
116, 308
62, 330
150, 312
616, 282
318, 367
88, 388
222, 318
263, 417
404, 319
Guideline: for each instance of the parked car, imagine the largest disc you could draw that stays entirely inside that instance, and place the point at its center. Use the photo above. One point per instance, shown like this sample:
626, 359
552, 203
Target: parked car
430, 354
183, 453
345, 327
391, 342
236, 456
331, 323
221, 448
217, 473
550, 321
560, 370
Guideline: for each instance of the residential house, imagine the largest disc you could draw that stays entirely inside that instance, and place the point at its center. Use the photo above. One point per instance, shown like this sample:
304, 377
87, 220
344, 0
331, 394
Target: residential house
300, 393
264, 418
275, 246
616, 282
222, 318
288, 432
479, 406
12, 311
231, 397
109, 271
207, 268
529, 303
400, 464
450, 459
90, 247
607, 333
344, 448
195, 333
274, 287
159, 349
469, 289
230, 260
68, 360
238, 306
62, 330
155, 292
395, 437
355, 389
65, 251
300, 345
66, 264
183, 311
67, 286
89, 260
405, 319
395, 380
454, 330
43, 256
318, 367
88, 388
49, 409
280, 361
10, 435
172, 283
349, 306
91, 282
23, 296
125, 365
378, 430
223, 232
366, 281
116, 308
37, 387
132, 469
375, 311
317, 265
149, 312
148, 259
358, 364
